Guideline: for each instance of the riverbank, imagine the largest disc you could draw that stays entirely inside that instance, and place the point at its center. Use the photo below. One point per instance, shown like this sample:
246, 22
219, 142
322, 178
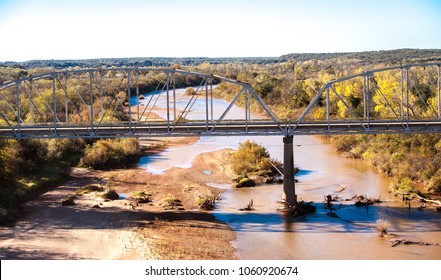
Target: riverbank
97, 229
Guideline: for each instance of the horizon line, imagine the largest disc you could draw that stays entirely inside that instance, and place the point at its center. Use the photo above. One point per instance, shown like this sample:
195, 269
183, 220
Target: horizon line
218, 57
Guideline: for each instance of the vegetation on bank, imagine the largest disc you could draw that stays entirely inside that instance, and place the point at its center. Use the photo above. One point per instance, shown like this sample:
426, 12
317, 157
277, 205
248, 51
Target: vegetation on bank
413, 161
29, 166
107, 154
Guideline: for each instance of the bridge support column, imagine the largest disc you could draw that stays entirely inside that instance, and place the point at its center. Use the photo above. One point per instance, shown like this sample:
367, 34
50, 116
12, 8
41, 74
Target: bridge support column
289, 192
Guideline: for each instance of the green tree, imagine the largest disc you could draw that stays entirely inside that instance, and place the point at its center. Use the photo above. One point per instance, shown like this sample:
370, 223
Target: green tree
251, 157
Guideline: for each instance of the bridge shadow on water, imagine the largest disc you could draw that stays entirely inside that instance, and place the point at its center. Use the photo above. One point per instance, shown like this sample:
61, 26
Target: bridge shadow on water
304, 172
81, 217
54, 222
349, 219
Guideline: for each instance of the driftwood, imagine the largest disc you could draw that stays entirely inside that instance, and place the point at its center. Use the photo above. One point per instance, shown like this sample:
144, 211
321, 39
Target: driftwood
299, 209
249, 207
423, 199
364, 201
396, 240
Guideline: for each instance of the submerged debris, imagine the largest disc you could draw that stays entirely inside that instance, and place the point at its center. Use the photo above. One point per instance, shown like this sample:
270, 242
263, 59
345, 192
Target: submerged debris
249, 207
364, 201
332, 215
300, 209
383, 225
396, 240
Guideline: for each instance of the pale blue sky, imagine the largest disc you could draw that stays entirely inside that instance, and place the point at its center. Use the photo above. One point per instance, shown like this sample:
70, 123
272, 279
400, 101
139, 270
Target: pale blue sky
46, 29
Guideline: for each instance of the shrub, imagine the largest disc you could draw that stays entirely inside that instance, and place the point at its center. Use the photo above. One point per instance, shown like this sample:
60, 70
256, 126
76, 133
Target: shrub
171, 201
60, 148
245, 182
190, 91
112, 195
206, 203
345, 143
404, 186
382, 226
89, 189
26, 156
111, 153
434, 185
141, 197
251, 157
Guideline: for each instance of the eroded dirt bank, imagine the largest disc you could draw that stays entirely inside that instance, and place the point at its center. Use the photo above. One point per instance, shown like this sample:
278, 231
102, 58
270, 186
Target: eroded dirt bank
124, 229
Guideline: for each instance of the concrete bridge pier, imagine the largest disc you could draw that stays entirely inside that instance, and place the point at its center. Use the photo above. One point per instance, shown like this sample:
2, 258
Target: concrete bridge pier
289, 192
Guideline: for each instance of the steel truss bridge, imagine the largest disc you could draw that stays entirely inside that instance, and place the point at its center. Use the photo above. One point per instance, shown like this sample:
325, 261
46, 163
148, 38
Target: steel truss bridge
114, 102
144, 102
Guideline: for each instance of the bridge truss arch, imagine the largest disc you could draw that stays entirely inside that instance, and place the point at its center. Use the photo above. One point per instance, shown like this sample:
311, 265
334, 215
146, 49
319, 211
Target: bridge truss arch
399, 99
125, 102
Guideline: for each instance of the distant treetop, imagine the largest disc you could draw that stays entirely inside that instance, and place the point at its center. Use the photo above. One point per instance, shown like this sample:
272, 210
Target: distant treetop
370, 57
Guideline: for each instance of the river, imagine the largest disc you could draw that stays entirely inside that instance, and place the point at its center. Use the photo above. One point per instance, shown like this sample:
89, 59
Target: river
268, 234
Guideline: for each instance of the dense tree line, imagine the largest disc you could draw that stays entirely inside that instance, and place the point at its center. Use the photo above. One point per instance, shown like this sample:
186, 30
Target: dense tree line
369, 57
132, 62
392, 56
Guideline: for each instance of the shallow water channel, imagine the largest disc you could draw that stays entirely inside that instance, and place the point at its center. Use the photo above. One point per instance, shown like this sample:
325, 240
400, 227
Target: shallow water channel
267, 234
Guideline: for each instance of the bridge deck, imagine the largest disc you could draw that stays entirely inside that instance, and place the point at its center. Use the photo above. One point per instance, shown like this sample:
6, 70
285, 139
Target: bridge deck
161, 129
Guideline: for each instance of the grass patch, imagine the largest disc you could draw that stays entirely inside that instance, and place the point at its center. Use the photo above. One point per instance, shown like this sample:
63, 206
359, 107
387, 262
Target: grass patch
89, 189
140, 194
206, 203
141, 197
171, 201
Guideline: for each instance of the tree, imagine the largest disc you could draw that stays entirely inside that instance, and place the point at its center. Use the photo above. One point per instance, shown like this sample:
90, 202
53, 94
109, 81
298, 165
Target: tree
190, 91
252, 157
